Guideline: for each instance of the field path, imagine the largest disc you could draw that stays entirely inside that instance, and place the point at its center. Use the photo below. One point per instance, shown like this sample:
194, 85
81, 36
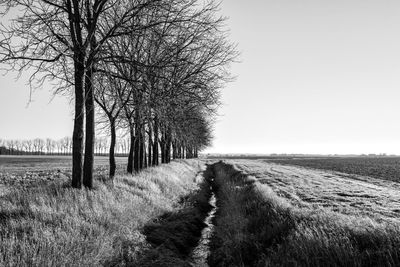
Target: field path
340, 192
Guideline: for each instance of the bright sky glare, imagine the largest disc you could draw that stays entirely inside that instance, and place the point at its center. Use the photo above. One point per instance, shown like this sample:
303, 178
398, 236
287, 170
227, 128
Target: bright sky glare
317, 76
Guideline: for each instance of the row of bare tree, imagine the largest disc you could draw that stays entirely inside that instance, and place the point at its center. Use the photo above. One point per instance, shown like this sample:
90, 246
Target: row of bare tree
61, 146
153, 67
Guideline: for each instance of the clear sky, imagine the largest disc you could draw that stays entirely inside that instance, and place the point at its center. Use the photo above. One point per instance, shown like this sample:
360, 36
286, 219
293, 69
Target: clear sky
317, 76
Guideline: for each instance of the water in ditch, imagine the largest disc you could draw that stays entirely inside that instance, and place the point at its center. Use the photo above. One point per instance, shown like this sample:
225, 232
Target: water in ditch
201, 252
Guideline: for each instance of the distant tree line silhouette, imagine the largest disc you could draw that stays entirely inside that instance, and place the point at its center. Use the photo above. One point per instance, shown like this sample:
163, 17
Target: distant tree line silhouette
150, 68
58, 147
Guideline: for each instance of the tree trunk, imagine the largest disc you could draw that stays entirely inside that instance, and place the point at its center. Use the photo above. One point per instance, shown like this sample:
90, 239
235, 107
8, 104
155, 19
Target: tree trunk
90, 131
149, 147
129, 168
77, 136
136, 155
155, 143
188, 152
168, 152
174, 150
113, 166
168, 146
163, 147
142, 151
178, 150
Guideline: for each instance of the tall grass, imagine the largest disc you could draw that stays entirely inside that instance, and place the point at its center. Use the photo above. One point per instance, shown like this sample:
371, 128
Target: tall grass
256, 227
57, 225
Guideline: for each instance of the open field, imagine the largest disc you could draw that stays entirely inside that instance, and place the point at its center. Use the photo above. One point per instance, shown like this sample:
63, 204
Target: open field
333, 191
387, 168
280, 215
27, 171
382, 167
15, 164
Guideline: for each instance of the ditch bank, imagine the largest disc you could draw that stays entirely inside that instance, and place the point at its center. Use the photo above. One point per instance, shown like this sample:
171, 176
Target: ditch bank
254, 226
182, 238
249, 221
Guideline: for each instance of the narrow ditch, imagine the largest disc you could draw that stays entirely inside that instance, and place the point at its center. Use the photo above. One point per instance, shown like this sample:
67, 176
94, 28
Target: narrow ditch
202, 251
182, 237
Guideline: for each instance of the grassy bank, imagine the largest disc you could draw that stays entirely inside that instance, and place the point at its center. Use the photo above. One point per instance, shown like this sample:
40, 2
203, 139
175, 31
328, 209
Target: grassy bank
256, 227
57, 225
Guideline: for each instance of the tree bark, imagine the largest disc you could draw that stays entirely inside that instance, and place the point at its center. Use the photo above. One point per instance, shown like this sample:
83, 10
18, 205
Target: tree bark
113, 165
174, 150
129, 167
90, 131
168, 152
155, 144
141, 151
189, 152
149, 147
168, 146
163, 147
77, 136
136, 155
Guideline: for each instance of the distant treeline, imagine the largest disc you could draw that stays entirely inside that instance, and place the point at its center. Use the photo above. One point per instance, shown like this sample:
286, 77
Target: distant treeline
58, 147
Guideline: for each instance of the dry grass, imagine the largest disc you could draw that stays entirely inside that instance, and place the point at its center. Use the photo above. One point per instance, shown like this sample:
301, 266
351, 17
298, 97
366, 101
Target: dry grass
57, 225
272, 215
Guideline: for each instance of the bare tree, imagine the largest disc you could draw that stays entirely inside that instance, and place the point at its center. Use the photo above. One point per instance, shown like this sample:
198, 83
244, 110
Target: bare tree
176, 66
50, 146
48, 36
196, 70
19, 146
59, 146
54, 37
28, 144
42, 146
112, 95
10, 144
